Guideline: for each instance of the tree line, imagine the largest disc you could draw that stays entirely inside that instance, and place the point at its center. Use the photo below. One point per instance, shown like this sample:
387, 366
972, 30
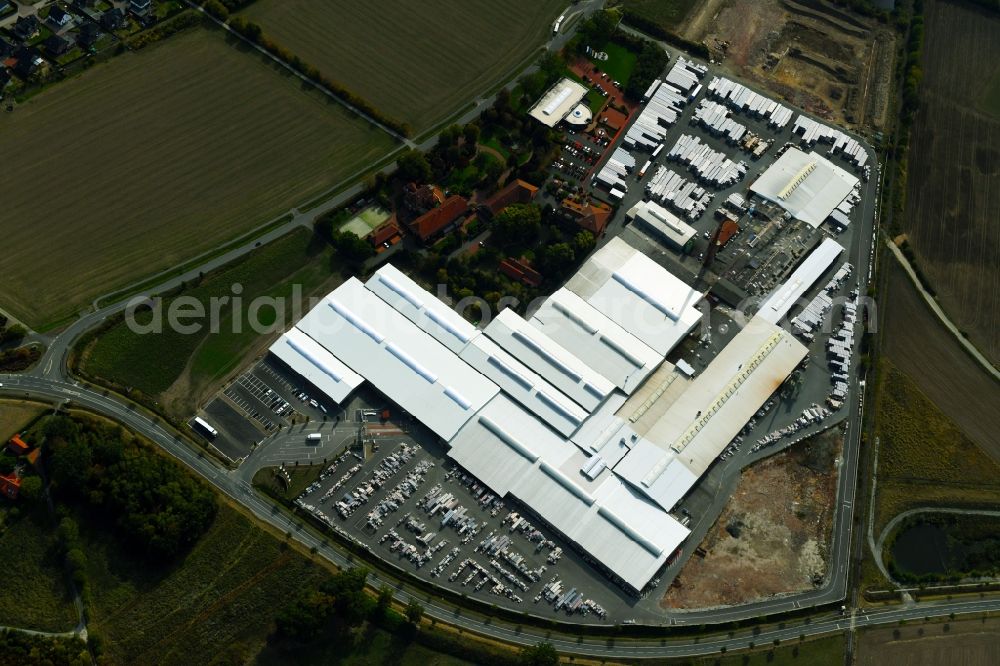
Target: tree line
221, 10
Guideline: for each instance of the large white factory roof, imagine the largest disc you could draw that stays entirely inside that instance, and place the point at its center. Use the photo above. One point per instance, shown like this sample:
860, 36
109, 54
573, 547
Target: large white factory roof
422, 308
644, 298
781, 300
548, 358
406, 364
705, 417
658, 219
608, 348
524, 385
557, 102
513, 453
807, 185
321, 368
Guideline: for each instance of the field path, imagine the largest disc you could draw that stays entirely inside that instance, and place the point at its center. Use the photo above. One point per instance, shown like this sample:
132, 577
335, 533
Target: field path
969, 347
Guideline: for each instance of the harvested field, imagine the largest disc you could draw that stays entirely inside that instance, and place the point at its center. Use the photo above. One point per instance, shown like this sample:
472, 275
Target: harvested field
919, 345
924, 458
953, 197
432, 57
15, 414
773, 535
816, 55
144, 162
973, 642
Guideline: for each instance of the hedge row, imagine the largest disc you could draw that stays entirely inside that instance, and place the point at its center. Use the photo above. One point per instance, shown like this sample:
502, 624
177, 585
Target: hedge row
182, 21
251, 31
654, 29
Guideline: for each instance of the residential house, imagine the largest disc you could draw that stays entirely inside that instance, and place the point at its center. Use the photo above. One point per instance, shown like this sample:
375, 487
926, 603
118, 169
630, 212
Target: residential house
6, 49
18, 446
26, 27
140, 7
88, 35
83, 4
387, 232
10, 486
28, 62
58, 17
590, 215
439, 220
56, 46
113, 19
420, 199
518, 191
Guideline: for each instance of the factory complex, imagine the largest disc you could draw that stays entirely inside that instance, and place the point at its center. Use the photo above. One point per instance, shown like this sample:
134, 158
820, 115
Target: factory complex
573, 410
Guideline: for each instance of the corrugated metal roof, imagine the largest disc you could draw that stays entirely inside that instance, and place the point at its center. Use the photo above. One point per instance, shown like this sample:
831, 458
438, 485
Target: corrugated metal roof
808, 186
640, 295
609, 349
421, 307
551, 360
524, 385
321, 368
781, 300
406, 364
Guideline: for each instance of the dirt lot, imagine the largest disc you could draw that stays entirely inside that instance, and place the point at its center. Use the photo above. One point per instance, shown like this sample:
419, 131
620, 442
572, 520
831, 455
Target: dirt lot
217, 143
419, 62
773, 535
818, 56
974, 642
917, 344
953, 198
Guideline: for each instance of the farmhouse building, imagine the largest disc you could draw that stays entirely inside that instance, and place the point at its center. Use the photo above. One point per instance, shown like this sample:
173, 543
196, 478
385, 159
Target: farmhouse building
592, 215
518, 191
520, 271
18, 446
10, 486
387, 232
438, 220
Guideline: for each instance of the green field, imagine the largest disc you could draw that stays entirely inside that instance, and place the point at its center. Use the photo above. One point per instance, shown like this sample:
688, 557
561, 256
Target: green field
146, 161
15, 414
924, 459
35, 592
155, 362
420, 62
668, 14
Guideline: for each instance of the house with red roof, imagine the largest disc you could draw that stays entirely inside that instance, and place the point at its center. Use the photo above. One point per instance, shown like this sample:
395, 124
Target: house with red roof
10, 486
517, 191
518, 270
438, 220
18, 446
591, 215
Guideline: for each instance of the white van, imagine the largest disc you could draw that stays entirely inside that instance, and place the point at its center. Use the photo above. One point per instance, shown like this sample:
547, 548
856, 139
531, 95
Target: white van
313, 437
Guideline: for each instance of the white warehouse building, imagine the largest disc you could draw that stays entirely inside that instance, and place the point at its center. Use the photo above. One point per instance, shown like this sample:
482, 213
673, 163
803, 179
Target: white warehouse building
807, 185
573, 411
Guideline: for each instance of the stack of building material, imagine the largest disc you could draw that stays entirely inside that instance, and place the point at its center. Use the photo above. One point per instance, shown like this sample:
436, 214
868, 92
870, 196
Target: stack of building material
685, 74
612, 175
687, 197
739, 97
716, 118
661, 112
708, 164
842, 144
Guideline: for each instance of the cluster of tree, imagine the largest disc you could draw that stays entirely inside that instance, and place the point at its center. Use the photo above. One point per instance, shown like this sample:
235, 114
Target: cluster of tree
254, 33
340, 604
12, 334
654, 29
71, 550
455, 149
158, 507
353, 249
596, 30
913, 73
557, 260
20, 359
21, 649
651, 62
517, 225
182, 21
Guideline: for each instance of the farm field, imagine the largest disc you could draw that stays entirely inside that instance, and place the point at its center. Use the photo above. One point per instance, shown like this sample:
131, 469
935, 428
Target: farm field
972, 642
827, 651
179, 370
15, 414
218, 144
953, 197
433, 57
35, 594
668, 14
919, 345
924, 458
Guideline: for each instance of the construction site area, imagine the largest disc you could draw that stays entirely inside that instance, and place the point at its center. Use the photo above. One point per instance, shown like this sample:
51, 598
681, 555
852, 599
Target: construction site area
816, 55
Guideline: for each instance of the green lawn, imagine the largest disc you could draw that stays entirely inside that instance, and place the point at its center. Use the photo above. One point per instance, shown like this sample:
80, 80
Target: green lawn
301, 476
620, 63
35, 593
153, 362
